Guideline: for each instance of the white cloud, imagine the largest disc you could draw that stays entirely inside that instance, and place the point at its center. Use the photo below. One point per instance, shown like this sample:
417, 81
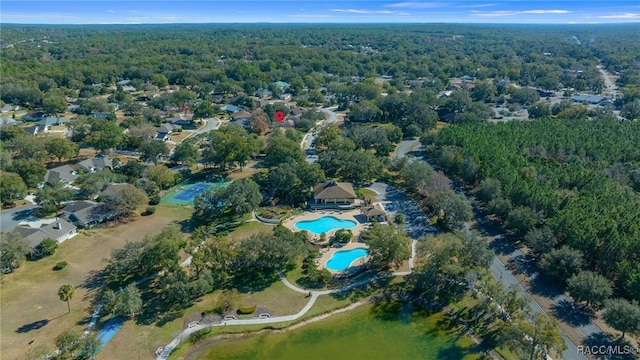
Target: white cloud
621, 16
416, 5
369, 12
512, 12
476, 6
544, 12
111, 11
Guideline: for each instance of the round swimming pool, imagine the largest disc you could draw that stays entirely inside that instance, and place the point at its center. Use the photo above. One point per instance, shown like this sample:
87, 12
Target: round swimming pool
341, 260
325, 224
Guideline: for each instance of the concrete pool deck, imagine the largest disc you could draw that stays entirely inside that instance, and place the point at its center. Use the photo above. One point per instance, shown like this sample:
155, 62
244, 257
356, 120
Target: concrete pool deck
326, 253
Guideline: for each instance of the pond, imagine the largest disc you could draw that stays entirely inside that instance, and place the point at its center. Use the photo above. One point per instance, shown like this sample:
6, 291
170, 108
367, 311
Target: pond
368, 332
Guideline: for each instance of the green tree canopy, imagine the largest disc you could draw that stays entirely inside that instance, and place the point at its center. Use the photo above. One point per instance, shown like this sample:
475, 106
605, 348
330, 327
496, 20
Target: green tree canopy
389, 245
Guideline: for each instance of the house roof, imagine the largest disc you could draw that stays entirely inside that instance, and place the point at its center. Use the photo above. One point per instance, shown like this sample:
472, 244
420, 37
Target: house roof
55, 230
63, 173
32, 130
229, 108
96, 163
282, 85
168, 128
593, 99
374, 210
334, 190
92, 213
241, 115
52, 120
77, 206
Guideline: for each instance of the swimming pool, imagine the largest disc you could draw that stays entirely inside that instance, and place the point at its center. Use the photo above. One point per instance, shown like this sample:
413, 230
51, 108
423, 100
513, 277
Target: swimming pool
340, 260
325, 224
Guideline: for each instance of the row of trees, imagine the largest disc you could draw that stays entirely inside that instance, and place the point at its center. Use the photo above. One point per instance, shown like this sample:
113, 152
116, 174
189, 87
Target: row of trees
557, 183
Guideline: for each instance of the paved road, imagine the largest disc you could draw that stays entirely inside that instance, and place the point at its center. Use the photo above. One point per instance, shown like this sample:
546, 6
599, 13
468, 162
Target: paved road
407, 146
307, 140
499, 270
212, 124
11, 218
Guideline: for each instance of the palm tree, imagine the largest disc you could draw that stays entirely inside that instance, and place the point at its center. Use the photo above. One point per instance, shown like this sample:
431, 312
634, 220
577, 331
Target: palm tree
66, 293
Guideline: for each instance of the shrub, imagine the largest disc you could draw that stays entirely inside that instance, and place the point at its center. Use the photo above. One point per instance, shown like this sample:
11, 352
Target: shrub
343, 236
149, 211
199, 335
246, 310
399, 219
60, 265
154, 200
48, 247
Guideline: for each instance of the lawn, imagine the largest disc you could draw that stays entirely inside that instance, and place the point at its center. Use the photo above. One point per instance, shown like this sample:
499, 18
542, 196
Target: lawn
134, 340
31, 312
247, 229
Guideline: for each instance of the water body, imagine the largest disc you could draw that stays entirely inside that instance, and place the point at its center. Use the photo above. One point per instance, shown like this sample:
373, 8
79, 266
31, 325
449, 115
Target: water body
341, 260
368, 332
325, 224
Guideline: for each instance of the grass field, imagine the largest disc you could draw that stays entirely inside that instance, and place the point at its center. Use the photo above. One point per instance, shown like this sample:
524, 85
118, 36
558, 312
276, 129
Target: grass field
31, 311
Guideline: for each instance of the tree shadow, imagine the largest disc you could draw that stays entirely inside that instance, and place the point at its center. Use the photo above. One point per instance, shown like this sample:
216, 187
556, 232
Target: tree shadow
543, 285
94, 280
32, 326
572, 314
502, 245
604, 346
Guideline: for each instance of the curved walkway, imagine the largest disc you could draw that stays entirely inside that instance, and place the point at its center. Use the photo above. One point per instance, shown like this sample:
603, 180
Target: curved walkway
276, 319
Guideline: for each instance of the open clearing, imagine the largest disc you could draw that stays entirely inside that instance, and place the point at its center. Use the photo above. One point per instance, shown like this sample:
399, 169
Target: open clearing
30, 309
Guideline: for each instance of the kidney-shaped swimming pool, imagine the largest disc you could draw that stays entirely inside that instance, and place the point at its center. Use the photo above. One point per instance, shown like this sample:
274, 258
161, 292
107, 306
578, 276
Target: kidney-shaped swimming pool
340, 260
325, 224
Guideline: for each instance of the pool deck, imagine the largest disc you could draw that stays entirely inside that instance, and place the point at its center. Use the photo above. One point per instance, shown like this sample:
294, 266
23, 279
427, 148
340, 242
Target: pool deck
326, 253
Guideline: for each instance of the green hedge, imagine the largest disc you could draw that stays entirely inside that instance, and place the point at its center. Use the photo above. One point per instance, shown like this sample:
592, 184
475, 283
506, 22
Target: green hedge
246, 310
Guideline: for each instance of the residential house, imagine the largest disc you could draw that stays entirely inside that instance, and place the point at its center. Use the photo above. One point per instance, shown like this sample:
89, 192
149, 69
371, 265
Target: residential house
48, 121
334, 193
281, 85
262, 93
128, 88
588, 98
34, 115
123, 82
230, 108
285, 97
59, 230
373, 212
34, 130
65, 174
241, 115
9, 107
103, 116
5, 121
95, 163
165, 130
87, 214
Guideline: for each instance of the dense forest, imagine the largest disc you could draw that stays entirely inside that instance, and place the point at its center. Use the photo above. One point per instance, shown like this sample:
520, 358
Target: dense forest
578, 178
42, 59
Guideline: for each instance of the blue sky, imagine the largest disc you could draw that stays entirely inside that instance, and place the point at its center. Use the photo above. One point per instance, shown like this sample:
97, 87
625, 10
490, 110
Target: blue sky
306, 11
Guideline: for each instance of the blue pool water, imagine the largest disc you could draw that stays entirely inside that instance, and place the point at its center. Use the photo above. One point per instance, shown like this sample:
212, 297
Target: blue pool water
340, 260
325, 224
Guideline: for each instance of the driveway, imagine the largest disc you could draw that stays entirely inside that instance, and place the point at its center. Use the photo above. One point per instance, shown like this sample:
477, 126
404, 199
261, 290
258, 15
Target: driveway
395, 201
11, 218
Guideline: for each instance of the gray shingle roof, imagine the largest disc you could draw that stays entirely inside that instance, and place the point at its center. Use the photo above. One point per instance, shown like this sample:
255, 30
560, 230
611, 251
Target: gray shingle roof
334, 190
64, 173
